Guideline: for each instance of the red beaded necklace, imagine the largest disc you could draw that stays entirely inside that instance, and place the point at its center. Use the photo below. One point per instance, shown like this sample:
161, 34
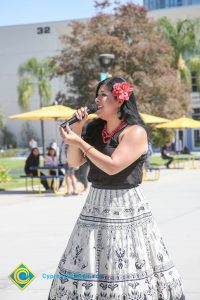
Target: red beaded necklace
107, 136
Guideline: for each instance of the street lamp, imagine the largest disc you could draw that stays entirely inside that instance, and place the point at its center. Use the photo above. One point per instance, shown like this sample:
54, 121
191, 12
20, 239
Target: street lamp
106, 60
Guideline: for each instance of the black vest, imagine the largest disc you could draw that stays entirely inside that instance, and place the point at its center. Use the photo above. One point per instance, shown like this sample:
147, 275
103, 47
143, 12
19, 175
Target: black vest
128, 178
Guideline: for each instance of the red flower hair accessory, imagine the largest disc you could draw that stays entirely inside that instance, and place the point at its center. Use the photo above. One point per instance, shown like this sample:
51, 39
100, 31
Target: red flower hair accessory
122, 90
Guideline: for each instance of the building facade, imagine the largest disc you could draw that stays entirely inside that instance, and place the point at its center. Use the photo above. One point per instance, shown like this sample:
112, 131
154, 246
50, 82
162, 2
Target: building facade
18, 44
160, 4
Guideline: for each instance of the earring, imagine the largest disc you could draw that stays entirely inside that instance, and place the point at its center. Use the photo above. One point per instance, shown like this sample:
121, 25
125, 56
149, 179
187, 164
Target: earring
119, 113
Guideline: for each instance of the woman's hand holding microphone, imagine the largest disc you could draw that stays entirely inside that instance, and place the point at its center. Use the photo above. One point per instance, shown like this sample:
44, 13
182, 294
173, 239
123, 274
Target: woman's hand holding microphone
72, 136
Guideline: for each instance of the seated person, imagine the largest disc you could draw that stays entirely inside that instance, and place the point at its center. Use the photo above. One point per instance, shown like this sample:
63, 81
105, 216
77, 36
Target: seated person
51, 160
165, 154
33, 160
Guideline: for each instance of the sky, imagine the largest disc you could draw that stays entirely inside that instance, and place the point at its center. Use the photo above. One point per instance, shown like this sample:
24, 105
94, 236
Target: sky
16, 12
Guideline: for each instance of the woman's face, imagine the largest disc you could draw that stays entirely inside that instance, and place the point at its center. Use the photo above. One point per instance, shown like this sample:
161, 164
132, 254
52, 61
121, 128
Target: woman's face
52, 152
107, 104
35, 152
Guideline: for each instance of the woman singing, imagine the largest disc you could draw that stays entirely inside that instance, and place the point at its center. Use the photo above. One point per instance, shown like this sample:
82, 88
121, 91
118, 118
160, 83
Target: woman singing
116, 250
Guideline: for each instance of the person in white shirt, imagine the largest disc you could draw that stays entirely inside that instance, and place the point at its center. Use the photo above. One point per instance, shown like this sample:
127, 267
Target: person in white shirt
52, 160
33, 144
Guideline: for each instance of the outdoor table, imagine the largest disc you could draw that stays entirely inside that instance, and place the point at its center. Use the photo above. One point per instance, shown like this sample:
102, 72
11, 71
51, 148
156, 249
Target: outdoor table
178, 160
151, 174
196, 162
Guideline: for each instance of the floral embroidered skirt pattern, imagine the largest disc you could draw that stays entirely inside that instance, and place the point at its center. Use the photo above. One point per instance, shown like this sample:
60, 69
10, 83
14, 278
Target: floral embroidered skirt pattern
116, 252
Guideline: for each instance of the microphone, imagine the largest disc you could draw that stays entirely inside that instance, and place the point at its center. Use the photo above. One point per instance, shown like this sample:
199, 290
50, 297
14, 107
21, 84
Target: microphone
92, 108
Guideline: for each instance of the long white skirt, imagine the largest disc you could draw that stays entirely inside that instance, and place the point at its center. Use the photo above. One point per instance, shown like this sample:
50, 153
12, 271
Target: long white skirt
116, 252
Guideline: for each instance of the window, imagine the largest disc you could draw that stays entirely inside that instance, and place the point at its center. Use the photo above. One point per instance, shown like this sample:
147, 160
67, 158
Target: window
196, 138
159, 4
162, 3
179, 3
194, 82
195, 1
196, 114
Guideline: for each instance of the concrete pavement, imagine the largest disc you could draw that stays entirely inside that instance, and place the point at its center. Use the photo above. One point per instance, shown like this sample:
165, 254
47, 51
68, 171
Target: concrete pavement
35, 228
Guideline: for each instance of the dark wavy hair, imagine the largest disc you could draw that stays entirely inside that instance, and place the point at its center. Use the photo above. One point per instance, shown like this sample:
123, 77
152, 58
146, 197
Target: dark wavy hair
32, 150
128, 109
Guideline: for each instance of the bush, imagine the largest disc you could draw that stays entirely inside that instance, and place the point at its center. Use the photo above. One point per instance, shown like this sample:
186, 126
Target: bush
4, 177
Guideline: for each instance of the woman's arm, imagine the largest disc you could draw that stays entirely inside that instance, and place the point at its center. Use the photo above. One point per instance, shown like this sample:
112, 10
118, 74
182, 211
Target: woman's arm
75, 157
132, 145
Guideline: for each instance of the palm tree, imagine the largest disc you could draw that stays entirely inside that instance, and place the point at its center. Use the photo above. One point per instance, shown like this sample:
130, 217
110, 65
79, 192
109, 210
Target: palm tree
183, 38
36, 74
182, 71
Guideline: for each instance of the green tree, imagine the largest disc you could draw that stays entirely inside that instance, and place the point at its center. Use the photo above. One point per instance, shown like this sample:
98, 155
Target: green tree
27, 133
140, 58
183, 38
35, 74
2, 123
7, 138
2, 119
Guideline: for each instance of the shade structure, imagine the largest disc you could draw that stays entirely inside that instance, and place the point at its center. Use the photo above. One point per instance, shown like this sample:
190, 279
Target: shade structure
181, 123
54, 112
151, 119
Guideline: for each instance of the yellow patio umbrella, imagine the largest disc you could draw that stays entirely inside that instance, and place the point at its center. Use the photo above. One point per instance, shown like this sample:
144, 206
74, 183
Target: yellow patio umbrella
181, 123
54, 112
152, 119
